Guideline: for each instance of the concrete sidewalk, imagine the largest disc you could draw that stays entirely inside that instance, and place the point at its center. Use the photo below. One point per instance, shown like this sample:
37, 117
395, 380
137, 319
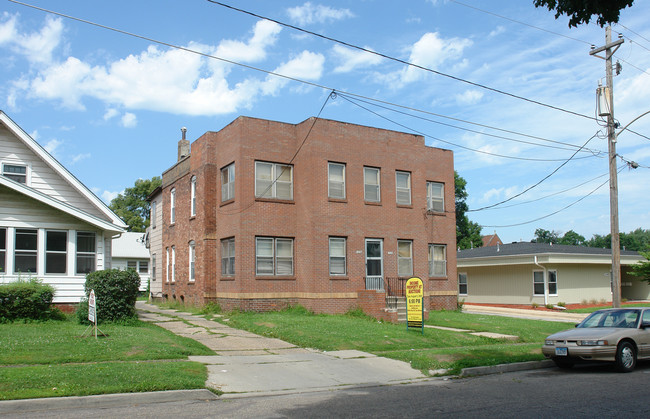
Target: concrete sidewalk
556, 316
246, 363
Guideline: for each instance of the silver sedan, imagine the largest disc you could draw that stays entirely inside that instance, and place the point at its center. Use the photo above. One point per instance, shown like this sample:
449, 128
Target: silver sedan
619, 335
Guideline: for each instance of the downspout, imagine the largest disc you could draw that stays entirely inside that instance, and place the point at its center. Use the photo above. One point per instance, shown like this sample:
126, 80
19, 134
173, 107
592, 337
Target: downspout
545, 281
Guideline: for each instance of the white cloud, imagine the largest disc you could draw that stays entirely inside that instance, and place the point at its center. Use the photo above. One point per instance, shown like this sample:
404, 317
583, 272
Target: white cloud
469, 97
129, 120
110, 113
107, 196
37, 47
307, 66
34, 135
497, 31
264, 35
309, 13
52, 145
80, 157
431, 51
353, 59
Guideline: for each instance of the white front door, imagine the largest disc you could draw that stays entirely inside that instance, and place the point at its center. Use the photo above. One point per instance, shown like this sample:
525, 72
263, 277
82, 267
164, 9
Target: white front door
374, 264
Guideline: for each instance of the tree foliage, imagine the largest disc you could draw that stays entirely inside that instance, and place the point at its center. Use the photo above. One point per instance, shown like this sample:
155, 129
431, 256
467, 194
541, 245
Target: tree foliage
468, 233
637, 240
581, 11
132, 206
642, 269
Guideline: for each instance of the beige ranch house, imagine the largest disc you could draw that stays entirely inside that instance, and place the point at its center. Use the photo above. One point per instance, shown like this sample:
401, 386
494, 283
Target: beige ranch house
527, 273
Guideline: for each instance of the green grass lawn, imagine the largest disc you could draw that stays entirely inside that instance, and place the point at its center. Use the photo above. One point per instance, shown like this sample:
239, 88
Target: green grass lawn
435, 349
46, 359
592, 309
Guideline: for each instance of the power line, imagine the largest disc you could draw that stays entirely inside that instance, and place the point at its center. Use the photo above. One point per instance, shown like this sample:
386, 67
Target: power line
347, 44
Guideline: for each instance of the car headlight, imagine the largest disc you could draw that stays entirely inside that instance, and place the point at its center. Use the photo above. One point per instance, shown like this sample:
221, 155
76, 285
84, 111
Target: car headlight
592, 342
548, 342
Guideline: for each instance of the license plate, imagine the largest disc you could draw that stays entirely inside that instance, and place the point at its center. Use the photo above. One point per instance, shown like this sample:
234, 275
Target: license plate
561, 351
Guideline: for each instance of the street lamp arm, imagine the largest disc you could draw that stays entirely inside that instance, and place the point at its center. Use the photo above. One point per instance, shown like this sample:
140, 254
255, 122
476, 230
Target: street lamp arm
634, 120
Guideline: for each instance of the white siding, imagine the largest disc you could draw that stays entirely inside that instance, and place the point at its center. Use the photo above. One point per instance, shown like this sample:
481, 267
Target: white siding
41, 176
155, 247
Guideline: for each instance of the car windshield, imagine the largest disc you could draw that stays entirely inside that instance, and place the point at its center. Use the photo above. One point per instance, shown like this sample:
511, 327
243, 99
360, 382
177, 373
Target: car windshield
612, 318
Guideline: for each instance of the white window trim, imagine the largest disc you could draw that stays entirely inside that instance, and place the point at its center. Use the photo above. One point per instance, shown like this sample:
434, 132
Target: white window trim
407, 189
230, 242
228, 187
192, 261
4, 251
275, 256
344, 257
173, 264
193, 196
378, 185
172, 206
430, 197
27, 166
409, 258
329, 181
153, 266
432, 261
274, 180
58, 252
466, 283
77, 252
167, 263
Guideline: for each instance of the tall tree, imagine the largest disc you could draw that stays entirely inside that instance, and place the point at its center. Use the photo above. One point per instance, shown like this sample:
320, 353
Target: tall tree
132, 206
581, 11
572, 238
468, 233
546, 236
642, 269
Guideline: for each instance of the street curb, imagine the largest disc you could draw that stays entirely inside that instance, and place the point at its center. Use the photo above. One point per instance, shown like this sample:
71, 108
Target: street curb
498, 369
103, 400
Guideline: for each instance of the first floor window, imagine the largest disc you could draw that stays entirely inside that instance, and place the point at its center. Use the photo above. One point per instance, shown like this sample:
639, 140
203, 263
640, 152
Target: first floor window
26, 250
15, 172
153, 267
274, 256
56, 254
167, 265
538, 282
436, 196
228, 257
173, 263
462, 284
552, 282
192, 257
337, 256
437, 260
404, 258
3, 250
228, 182
143, 267
86, 249
132, 264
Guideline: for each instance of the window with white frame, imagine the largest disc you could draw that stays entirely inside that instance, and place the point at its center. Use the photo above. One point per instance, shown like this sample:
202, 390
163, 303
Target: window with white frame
436, 196
152, 214
192, 261
462, 283
337, 256
56, 252
86, 252
193, 196
173, 263
437, 260
3, 251
26, 250
167, 265
404, 258
336, 180
15, 172
153, 267
228, 257
172, 206
403, 188
141, 266
228, 182
273, 180
552, 282
273, 256
538, 282
371, 184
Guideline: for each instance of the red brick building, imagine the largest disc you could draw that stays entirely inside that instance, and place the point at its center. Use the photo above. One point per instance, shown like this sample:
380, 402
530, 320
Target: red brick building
263, 214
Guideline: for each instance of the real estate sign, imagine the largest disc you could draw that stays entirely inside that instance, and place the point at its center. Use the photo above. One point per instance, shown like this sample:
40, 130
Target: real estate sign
414, 303
91, 307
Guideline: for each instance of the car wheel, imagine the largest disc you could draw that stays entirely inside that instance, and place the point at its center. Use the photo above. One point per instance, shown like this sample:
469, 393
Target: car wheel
564, 363
625, 357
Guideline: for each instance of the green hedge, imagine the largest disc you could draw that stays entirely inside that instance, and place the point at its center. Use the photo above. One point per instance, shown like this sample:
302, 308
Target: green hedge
28, 299
115, 294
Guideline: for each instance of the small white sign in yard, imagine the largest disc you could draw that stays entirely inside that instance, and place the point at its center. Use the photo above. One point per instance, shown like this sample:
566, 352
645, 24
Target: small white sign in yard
91, 307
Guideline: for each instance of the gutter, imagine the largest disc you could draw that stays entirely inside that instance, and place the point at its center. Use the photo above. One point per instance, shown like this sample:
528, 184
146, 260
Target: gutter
545, 281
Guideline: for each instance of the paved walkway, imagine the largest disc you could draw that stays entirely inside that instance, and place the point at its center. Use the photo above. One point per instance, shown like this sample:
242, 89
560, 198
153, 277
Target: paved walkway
557, 316
246, 363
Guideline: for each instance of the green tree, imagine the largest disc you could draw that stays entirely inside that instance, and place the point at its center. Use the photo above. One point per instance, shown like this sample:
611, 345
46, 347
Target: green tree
572, 238
132, 206
546, 236
642, 269
581, 11
468, 233
597, 240
637, 240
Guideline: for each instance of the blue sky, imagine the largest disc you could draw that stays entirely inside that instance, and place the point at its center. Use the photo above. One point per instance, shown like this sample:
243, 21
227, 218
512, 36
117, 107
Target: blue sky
110, 106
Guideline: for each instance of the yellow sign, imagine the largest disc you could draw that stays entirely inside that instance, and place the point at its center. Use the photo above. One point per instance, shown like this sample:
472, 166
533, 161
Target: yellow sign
414, 302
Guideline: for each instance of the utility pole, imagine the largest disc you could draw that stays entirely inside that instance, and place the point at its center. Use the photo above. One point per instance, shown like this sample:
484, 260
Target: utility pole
610, 48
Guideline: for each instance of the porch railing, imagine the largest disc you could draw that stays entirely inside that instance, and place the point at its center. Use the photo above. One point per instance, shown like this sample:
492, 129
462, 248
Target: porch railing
393, 287
375, 283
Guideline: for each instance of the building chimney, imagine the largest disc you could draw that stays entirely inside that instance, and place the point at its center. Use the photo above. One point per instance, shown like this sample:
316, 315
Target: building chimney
183, 146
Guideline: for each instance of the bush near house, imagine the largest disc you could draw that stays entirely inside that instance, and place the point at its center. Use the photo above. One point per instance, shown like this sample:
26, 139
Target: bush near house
115, 294
27, 300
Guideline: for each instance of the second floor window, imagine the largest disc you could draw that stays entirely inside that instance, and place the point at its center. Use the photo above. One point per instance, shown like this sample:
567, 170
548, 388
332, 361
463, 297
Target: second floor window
228, 182
436, 196
403, 188
371, 186
273, 180
193, 196
172, 206
336, 180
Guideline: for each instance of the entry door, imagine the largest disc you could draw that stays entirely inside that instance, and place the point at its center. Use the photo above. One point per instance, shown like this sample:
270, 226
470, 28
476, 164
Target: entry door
374, 264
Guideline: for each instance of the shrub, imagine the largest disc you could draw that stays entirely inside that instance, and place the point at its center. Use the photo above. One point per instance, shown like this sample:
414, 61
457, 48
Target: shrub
459, 305
561, 304
29, 299
115, 294
535, 305
549, 306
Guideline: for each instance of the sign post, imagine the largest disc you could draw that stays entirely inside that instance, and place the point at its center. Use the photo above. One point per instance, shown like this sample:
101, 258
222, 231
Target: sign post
415, 303
92, 315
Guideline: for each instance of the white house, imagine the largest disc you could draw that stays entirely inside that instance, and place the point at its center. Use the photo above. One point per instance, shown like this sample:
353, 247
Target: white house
129, 251
52, 227
540, 273
154, 242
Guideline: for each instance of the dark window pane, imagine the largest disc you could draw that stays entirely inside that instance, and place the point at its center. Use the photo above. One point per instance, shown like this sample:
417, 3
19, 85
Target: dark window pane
3, 239
85, 264
25, 262
25, 239
374, 268
55, 263
85, 242
56, 241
